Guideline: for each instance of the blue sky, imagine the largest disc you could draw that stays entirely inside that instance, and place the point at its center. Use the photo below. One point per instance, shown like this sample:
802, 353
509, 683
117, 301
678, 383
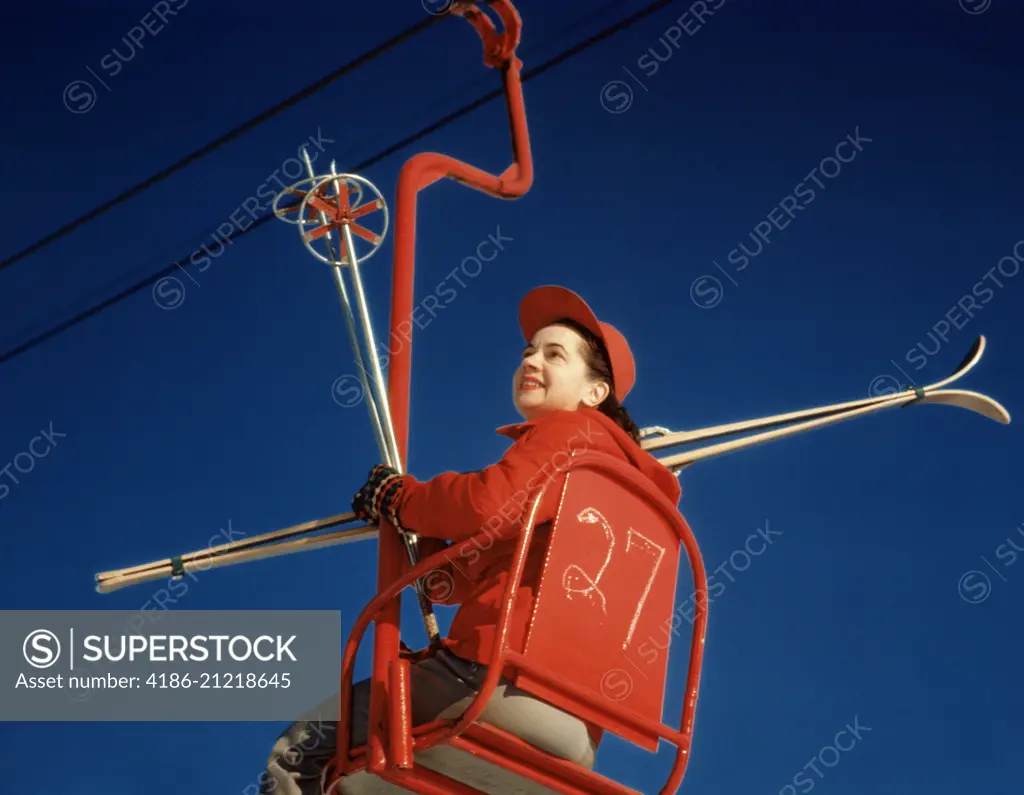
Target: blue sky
179, 422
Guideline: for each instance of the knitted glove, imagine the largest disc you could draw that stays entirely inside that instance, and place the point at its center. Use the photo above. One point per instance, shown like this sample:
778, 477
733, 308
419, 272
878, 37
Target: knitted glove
379, 496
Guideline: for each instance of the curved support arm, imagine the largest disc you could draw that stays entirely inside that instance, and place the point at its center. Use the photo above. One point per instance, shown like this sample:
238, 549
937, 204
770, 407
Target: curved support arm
419, 172
426, 168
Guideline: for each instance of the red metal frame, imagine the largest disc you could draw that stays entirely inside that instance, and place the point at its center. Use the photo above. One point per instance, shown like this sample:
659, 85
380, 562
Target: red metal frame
419, 172
489, 743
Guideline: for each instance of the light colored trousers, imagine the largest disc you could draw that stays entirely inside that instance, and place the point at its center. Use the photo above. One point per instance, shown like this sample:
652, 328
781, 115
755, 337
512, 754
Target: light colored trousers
442, 686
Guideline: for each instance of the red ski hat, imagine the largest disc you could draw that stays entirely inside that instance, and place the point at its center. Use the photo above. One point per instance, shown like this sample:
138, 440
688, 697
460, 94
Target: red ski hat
542, 306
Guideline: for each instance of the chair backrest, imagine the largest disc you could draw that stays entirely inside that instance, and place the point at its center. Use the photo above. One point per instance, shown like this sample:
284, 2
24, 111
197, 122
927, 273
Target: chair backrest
604, 611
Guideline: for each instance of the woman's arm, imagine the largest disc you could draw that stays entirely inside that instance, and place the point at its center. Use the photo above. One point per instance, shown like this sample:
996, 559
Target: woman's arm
457, 506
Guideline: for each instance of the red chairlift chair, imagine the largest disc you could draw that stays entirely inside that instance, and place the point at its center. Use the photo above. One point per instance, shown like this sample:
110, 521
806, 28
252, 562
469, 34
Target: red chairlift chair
606, 588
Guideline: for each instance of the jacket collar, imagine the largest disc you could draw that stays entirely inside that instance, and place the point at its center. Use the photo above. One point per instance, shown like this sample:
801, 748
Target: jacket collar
650, 466
515, 430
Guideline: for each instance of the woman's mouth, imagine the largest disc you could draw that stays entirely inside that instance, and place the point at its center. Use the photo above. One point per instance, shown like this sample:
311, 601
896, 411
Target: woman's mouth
528, 384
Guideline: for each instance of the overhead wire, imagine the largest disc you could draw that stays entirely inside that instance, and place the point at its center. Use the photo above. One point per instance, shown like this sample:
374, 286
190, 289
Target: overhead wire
212, 231
238, 131
527, 74
371, 137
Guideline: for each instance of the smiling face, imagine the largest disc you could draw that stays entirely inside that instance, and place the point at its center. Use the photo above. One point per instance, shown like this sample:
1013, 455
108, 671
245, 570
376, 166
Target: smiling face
554, 375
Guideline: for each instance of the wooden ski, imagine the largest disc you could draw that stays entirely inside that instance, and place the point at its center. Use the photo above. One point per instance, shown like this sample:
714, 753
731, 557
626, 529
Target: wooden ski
972, 401
288, 540
689, 437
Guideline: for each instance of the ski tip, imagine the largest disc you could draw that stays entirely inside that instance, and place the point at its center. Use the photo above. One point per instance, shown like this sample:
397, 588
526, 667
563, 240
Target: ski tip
988, 407
998, 413
972, 357
966, 399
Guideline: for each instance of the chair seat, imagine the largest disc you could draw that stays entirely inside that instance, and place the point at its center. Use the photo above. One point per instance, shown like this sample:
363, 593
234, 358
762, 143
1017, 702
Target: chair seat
459, 765
479, 758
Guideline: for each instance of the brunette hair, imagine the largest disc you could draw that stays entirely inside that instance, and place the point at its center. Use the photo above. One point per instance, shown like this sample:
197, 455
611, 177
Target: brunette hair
596, 357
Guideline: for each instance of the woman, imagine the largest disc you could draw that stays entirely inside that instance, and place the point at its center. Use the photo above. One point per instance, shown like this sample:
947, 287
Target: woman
569, 387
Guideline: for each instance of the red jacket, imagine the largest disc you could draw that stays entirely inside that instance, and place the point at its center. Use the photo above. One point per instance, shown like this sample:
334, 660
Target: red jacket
454, 507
